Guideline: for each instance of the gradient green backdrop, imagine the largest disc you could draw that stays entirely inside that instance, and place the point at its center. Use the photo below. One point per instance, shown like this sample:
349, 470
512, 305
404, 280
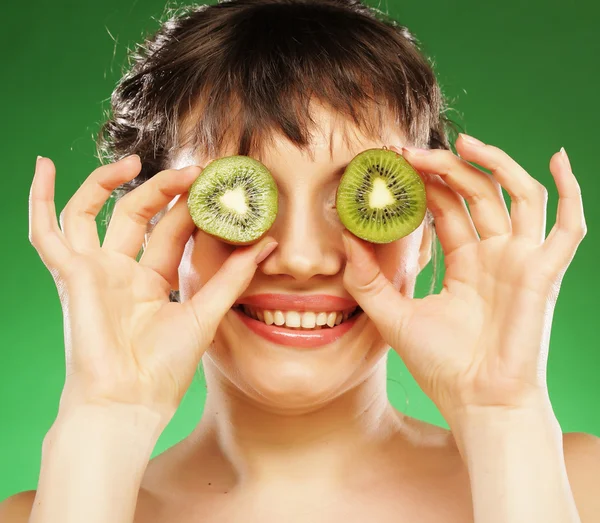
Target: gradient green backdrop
522, 76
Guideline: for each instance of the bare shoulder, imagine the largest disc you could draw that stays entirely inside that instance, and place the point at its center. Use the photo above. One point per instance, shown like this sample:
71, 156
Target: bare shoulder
582, 460
17, 508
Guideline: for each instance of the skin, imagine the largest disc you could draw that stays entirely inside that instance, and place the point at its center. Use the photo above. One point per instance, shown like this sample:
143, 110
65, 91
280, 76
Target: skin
327, 411
312, 433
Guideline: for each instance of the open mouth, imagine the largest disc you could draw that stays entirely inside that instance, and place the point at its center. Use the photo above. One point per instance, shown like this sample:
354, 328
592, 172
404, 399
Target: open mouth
295, 320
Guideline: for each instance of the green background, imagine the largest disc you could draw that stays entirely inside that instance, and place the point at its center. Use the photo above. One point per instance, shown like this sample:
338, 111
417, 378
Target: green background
522, 76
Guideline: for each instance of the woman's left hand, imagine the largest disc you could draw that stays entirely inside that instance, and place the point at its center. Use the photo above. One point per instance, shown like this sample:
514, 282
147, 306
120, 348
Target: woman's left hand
483, 340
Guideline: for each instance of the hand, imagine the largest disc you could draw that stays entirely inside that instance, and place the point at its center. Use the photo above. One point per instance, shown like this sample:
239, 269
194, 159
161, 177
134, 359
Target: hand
483, 340
125, 341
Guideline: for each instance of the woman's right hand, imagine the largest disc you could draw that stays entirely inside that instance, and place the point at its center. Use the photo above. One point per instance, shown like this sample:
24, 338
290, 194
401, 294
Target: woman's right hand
125, 342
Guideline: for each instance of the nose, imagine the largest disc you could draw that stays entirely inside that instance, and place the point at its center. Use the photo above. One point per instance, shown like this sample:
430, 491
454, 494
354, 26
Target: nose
309, 244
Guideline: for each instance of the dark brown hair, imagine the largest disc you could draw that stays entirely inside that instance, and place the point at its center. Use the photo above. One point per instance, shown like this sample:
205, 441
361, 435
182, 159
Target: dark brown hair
246, 68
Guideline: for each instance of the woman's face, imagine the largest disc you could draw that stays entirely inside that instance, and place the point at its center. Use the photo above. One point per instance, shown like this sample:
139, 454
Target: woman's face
308, 262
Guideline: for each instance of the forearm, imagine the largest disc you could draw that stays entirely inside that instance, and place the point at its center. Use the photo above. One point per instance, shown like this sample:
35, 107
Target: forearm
93, 460
516, 466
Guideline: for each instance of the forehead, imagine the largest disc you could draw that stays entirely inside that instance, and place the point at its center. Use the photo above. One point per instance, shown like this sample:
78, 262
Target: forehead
333, 139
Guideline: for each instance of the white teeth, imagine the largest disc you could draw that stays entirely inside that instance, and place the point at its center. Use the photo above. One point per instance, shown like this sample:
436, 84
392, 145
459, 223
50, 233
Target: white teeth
297, 320
309, 320
268, 317
331, 319
292, 319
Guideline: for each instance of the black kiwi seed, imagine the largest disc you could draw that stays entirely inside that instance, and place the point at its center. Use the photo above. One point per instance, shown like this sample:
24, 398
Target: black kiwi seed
235, 199
381, 197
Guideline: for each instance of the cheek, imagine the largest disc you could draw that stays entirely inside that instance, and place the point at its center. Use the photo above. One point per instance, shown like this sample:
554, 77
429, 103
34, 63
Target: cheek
202, 258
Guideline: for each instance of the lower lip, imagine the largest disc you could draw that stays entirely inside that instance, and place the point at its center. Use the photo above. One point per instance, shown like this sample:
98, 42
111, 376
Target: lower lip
297, 338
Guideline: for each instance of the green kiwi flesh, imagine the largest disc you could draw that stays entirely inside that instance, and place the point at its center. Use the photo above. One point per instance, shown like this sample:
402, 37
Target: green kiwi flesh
381, 197
235, 199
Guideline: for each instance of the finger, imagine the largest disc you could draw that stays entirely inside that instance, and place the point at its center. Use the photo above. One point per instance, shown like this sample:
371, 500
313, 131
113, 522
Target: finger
129, 222
78, 218
218, 295
484, 196
570, 227
453, 224
528, 196
44, 232
167, 241
373, 292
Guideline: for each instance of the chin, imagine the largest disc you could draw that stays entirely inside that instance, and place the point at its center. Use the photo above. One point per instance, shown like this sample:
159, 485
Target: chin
293, 380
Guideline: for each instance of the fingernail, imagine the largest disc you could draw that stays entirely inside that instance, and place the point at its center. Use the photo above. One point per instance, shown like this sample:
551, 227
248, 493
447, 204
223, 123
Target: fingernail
37, 161
267, 249
565, 158
347, 247
470, 140
131, 157
416, 150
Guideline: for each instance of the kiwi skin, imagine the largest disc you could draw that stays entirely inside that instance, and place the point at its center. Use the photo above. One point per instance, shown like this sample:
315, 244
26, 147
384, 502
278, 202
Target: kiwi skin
230, 166
347, 191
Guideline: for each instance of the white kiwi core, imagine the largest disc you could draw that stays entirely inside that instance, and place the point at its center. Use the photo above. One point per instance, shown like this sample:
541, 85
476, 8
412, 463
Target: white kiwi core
380, 196
235, 200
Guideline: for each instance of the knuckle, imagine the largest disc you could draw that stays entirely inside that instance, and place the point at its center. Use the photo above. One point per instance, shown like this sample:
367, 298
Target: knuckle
33, 240
375, 285
580, 231
446, 162
495, 150
495, 155
573, 235
500, 159
130, 206
70, 211
448, 156
477, 197
539, 189
167, 180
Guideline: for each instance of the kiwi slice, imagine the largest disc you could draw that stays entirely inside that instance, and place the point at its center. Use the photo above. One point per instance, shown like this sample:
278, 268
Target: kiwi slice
380, 197
235, 199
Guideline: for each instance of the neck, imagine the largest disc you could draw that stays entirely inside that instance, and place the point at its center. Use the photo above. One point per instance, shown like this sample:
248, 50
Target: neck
267, 445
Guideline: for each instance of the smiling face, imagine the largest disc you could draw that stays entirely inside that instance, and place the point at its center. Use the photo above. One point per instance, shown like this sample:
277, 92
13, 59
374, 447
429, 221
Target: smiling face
309, 261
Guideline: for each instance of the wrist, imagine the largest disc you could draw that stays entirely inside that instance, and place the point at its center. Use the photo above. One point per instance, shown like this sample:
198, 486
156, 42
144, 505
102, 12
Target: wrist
478, 429
129, 424
93, 463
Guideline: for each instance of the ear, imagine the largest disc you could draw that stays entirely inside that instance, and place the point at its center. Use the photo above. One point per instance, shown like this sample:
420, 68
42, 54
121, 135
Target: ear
425, 249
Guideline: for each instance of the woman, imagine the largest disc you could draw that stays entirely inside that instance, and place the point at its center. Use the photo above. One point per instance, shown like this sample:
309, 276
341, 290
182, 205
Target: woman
297, 426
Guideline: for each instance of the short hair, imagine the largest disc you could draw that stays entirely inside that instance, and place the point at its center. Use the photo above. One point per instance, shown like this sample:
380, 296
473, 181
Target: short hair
246, 68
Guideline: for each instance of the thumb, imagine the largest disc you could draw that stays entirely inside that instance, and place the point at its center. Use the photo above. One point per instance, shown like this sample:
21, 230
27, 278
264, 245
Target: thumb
375, 294
218, 295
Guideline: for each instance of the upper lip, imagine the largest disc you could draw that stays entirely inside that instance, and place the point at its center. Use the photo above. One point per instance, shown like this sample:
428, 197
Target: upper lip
298, 302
